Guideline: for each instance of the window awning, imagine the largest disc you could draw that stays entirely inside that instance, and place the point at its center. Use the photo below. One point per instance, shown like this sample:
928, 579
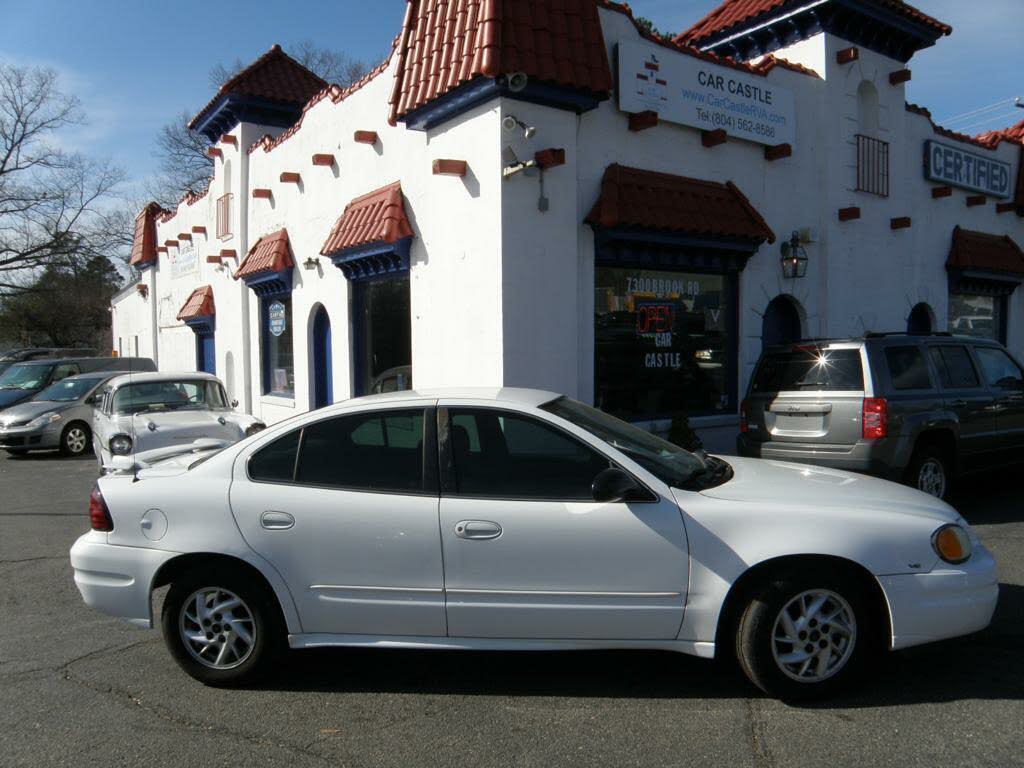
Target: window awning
372, 236
198, 310
144, 241
267, 268
982, 263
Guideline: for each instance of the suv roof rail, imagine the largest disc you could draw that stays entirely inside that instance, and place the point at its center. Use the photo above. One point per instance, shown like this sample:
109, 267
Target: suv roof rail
883, 334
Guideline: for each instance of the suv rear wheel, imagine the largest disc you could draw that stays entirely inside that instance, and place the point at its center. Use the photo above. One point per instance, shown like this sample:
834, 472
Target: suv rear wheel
928, 471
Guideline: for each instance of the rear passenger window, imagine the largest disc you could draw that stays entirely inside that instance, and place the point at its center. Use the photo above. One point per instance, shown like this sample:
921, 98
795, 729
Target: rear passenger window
276, 462
907, 368
1000, 370
503, 455
380, 451
805, 369
956, 371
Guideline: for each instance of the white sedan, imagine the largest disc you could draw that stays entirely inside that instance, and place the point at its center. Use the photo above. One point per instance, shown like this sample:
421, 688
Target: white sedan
518, 520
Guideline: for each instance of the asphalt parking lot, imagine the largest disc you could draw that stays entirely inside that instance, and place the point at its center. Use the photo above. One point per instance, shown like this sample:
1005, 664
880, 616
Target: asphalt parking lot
78, 688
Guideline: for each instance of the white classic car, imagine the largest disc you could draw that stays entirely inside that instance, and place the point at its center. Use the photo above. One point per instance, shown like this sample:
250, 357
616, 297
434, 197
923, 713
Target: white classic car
520, 520
140, 412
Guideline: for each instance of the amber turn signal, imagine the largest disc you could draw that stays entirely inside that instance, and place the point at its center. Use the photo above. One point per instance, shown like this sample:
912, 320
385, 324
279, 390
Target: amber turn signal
952, 544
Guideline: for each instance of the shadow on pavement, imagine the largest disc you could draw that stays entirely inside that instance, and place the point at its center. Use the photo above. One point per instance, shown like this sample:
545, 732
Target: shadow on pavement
990, 498
987, 665
54, 455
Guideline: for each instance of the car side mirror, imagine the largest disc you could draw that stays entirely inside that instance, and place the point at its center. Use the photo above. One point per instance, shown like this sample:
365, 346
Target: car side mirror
613, 484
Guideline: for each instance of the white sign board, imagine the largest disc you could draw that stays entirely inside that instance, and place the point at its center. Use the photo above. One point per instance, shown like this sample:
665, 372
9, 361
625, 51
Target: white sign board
690, 91
184, 259
968, 170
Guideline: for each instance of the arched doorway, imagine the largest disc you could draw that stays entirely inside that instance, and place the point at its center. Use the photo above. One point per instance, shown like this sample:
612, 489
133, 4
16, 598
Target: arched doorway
320, 358
781, 322
919, 322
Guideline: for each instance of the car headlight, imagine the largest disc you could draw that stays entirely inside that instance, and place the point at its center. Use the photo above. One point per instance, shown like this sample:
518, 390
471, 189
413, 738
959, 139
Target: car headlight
254, 428
120, 445
952, 544
45, 419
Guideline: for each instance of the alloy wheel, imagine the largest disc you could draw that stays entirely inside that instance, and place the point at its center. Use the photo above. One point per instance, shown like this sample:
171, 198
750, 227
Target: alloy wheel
76, 440
814, 636
931, 478
217, 628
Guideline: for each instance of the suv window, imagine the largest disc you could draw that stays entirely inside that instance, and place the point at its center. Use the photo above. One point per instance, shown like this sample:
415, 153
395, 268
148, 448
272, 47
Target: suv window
809, 369
64, 370
907, 368
506, 455
999, 369
276, 462
379, 451
956, 371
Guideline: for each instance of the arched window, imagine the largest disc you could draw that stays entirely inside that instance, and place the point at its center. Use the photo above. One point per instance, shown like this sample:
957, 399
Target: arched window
921, 320
782, 322
867, 108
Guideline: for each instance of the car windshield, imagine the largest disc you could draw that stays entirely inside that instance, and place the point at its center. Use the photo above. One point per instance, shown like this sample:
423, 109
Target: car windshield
25, 376
68, 390
668, 462
195, 395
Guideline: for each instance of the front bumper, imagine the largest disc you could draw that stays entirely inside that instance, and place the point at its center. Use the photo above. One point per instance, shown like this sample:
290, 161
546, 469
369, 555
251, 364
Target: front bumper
116, 580
949, 601
29, 438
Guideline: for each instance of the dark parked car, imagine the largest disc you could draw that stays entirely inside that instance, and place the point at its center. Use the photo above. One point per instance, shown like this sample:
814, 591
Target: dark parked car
918, 409
23, 380
12, 356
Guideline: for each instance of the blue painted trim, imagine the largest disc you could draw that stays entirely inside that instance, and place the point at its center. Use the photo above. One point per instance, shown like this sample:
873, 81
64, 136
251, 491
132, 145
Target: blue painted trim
202, 325
206, 352
482, 89
366, 262
270, 283
232, 108
143, 266
323, 386
664, 250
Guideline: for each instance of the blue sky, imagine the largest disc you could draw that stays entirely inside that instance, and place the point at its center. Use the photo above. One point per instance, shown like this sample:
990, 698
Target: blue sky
136, 65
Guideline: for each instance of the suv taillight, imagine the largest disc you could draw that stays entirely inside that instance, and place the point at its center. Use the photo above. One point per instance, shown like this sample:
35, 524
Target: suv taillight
874, 418
99, 515
744, 415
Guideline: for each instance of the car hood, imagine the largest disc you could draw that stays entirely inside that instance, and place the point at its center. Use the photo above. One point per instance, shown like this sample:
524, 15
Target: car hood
761, 480
9, 397
24, 412
192, 424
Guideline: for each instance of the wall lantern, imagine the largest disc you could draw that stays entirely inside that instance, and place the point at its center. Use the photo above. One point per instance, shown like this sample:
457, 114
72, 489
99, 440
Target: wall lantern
311, 263
794, 258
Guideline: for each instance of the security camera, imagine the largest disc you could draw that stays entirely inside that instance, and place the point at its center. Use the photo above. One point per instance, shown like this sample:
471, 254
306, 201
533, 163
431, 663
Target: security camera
516, 81
511, 122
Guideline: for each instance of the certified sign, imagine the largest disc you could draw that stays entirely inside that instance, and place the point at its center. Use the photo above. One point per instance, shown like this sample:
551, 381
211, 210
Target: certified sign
276, 318
968, 170
690, 91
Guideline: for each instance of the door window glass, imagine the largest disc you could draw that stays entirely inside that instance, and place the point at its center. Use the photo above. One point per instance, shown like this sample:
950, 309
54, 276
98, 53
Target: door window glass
381, 451
956, 371
278, 348
907, 368
999, 369
64, 370
975, 315
384, 335
276, 462
504, 455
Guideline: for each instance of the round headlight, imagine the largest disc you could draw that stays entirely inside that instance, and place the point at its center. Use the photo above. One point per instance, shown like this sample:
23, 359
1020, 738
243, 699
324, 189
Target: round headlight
254, 428
120, 445
952, 544
46, 418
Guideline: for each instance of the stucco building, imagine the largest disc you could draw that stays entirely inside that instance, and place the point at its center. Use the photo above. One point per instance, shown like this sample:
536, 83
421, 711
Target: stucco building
525, 197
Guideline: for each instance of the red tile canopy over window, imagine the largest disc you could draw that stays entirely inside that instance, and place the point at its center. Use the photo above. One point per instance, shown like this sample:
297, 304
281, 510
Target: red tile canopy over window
271, 253
199, 304
983, 252
376, 217
647, 200
144, 247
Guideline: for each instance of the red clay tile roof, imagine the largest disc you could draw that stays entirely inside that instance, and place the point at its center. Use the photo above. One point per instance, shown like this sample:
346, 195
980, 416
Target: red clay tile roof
376, 217
144, 240
445, 43
733, 13
271, 253
1014, 133
198, 304
771, 61
977, 250
988, 140
631, 197
274, 76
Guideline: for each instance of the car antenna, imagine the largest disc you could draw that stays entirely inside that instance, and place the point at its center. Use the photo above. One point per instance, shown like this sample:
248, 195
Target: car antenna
135, 464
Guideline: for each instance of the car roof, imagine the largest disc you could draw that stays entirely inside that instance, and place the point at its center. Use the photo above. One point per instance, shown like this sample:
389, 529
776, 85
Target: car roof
522, 396
158, 376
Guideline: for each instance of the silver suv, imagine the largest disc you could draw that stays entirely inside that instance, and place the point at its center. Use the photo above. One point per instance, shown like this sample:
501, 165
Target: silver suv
917, 409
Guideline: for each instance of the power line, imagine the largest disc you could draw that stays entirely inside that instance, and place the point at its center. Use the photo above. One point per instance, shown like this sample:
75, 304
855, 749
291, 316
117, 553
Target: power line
997, 105
989, 120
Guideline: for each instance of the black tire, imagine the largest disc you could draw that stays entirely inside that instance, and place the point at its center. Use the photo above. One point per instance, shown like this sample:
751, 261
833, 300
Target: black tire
757, 650
921, 471
75, 439
267, 627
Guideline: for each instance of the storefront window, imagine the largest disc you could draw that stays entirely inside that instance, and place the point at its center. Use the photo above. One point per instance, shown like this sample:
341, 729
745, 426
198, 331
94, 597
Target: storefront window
665, 343
278, 354
977, 315
384, 335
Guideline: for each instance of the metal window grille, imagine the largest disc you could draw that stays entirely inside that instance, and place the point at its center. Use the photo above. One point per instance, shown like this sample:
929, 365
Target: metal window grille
224, 215
872, 165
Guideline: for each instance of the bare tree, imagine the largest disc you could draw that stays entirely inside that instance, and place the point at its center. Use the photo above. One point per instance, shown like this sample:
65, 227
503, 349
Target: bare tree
333, 66
50, 199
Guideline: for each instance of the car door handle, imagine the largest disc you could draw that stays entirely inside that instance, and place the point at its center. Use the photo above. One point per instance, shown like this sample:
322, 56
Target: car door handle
477, 529
957, 403
995, 408
276, 521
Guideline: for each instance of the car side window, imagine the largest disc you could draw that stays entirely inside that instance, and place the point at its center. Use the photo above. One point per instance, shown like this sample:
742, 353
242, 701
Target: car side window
275, 463
956, 371
380, 451
999, 369
65, 370
907, 368
499, 454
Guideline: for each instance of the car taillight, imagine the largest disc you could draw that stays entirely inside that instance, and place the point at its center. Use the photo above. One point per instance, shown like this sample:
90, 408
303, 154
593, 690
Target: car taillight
744, 415
99, 515
874, 418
